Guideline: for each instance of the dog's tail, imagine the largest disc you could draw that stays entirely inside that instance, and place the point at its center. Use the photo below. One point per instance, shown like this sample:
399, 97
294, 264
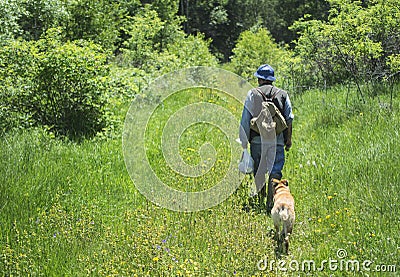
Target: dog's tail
284, 214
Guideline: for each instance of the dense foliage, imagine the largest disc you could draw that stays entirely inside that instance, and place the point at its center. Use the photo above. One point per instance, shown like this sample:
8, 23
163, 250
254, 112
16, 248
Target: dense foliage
60, 78
44, 78
254, 48
157, 47
358, 42
55, 84
225, 20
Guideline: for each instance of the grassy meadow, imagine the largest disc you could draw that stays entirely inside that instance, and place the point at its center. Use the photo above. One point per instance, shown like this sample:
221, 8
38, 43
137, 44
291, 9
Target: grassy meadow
71, 209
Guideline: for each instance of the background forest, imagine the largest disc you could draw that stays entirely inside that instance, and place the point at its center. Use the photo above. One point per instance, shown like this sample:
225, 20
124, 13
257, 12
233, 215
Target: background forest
57, 52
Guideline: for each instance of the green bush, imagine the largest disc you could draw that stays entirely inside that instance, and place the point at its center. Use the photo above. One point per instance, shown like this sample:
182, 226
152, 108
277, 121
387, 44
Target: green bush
182, 53
359, 42
158, 46
18, 65
38, 16
71, 80
10, 14
59, 85
256, 47
144, 38
98, 21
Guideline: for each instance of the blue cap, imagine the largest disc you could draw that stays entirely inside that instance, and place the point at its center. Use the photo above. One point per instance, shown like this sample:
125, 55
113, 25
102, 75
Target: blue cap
265, 72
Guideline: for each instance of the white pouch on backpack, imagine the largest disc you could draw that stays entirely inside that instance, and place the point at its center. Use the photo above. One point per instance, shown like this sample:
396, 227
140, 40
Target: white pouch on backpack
246, 164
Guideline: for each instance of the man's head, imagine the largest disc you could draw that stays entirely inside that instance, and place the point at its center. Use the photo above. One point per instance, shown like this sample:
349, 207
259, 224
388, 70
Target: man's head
265, 74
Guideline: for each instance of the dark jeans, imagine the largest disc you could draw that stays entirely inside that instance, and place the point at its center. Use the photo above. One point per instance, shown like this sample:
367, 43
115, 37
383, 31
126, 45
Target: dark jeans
272, 162
276, 171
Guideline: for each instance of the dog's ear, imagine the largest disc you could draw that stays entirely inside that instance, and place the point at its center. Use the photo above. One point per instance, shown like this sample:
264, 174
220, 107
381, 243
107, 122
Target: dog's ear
275, 182
285, 182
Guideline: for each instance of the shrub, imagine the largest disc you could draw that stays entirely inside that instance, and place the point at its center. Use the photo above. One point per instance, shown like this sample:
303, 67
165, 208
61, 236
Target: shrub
98, 21
60, 85
144, 38
158, 46
41, 15
256, 47
71, 82
358, 42
10, 14
182, 53
18, 65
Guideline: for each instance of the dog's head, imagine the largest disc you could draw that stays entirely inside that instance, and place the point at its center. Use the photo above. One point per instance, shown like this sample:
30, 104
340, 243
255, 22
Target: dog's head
280, 184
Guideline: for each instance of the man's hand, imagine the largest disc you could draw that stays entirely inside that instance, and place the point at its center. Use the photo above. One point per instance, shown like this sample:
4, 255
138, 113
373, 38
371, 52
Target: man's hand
288, 144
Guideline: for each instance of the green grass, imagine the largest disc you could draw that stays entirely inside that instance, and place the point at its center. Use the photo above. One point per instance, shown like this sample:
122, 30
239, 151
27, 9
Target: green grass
70, 209
191, 139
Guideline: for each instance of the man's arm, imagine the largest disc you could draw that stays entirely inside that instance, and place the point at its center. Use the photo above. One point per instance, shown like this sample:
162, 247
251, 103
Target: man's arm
288, 114
287, 134
244, 132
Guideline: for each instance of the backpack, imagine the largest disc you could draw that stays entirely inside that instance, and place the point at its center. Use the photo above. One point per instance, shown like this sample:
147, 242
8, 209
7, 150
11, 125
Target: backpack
270, 117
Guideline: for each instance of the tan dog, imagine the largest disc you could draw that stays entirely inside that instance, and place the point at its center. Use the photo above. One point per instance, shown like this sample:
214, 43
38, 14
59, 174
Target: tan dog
283, 212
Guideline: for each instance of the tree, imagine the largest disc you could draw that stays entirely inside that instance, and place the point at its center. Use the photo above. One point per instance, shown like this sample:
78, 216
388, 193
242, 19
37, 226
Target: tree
224, 20
166, 9
357, 43
257, 47
41, 15
288, 11
155, 45
145, 34
10, 13
97, 20
209, 18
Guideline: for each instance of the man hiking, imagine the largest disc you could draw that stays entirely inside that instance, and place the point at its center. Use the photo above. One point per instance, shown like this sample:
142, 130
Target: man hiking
250, 134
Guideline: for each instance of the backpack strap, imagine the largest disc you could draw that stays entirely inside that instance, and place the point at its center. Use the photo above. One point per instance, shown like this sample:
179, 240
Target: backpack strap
265, 96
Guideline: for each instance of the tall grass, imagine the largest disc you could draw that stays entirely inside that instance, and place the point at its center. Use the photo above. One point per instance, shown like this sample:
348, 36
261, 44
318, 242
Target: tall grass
345, 172
71, 209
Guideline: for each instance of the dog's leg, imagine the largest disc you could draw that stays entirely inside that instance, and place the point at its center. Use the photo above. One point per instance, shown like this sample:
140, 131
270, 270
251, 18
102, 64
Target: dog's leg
284, 229
284, 236
287, 231
276, 237
286, 244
